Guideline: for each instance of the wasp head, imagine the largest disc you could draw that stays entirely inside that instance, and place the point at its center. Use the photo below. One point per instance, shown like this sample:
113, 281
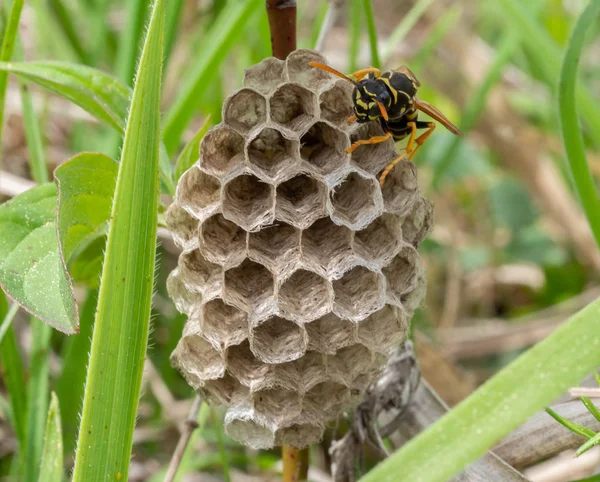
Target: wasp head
371, 100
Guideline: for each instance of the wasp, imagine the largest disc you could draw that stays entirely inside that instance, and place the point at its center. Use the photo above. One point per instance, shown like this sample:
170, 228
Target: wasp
391, 98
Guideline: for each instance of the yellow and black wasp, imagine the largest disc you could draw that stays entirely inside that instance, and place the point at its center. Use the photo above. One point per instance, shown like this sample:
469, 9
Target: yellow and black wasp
391, 98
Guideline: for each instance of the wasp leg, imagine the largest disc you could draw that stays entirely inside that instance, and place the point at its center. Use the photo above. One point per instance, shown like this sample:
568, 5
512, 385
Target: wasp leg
372, 140
351, 120
410, 150
359, 74
389, 167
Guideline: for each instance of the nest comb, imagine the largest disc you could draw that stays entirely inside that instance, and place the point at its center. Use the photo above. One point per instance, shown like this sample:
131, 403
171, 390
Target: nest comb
298, 273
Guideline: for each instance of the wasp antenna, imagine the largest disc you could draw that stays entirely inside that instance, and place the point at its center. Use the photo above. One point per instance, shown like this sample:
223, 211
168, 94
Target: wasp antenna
332, 71
383, 110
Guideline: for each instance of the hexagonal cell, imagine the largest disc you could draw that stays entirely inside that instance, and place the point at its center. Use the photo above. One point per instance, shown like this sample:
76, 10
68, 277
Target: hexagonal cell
324, 401
270, 153
299, 71
198, 192
200, 273
277, 340
350, 362
336, 103
327, 247
358, 293
197, 360
304, 296
249, 287
222, 241
277, 247
221, 390
330, 333
293, 106
323, 148
221, 150
300, 201
248, 202
413, 299
244, 110
183, 298
419, 222
384, 328
249, 371
299, 435
400, 189
372, 158
304, 373
222, 324
183, 226
265, 76
401, 273
356, 201
380, 241
248, 431
277, 404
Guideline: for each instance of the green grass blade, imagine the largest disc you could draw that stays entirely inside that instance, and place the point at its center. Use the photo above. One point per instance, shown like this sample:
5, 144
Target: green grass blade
548, 55
129, 43
174, 8
505, 401
370, 18
191, 151
35, 143
69, 29
71, 383
593, 409
407, 23
6, 52
355, 27
569, 121
37, 395
122, 321
572, 426
9, 316
14, 377
52, 455
595, 440
218, 426
226, 30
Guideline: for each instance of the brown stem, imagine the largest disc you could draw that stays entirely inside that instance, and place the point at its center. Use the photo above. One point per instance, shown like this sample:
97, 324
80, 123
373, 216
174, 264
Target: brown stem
295, 463
191, 424
282, 22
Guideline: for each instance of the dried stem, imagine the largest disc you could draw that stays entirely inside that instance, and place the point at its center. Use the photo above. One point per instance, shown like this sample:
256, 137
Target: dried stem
282, 22
295, 463
191, 424
333, 12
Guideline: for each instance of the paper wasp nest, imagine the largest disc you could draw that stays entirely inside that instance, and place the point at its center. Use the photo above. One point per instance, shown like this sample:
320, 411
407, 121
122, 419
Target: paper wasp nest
298, 272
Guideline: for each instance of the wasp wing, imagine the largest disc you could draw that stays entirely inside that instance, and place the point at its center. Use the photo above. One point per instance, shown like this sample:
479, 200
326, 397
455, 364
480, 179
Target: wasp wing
434, 113
403, 69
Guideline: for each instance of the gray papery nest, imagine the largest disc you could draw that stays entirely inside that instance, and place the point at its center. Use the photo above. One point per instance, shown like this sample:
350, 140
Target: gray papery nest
298, 272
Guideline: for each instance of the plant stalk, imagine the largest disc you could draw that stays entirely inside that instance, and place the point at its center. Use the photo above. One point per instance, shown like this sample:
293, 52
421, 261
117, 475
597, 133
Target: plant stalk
282, 22
295, 463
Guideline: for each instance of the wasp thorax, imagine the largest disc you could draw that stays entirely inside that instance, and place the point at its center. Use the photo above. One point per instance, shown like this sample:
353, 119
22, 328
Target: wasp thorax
298, 272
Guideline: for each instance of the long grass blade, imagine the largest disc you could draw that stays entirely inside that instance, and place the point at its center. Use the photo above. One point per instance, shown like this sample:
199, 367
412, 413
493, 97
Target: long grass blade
372, 31
122, 321
52, 455
6, 52
405, 25
569, 121
500, 405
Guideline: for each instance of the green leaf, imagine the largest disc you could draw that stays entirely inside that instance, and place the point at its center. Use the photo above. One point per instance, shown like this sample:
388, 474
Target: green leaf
504, 402
87, 265
96, 92
190, 152
572, 426
511, 204
593, 409
122, 321
52, 455
32, 271
226, 30
86, 184
569, 121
